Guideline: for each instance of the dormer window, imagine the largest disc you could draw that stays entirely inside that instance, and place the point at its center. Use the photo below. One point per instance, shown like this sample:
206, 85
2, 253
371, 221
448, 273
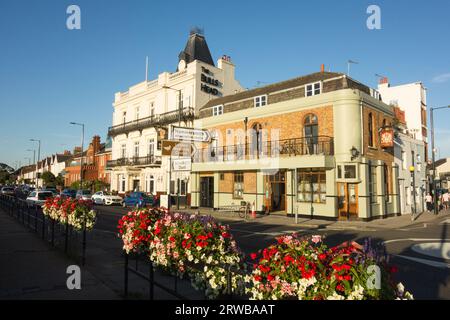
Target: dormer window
260, 101
217, 110
313, 88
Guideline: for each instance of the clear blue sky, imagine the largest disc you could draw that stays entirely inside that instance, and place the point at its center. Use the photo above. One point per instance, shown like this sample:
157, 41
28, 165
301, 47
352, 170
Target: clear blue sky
50, 75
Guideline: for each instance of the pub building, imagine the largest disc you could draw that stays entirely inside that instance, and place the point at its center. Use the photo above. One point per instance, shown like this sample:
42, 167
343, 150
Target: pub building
317, 146
144, 115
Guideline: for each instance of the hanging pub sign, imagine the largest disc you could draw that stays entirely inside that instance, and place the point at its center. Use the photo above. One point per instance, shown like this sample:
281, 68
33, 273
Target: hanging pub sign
387, 138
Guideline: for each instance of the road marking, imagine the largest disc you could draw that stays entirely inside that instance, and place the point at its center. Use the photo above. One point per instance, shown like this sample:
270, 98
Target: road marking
445, 221
413, 239
273, 234
435, 264
434, 249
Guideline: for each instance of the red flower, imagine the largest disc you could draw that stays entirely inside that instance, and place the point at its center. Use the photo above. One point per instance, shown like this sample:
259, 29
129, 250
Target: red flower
253, 256
264, 268
270, 277
171, 239
340, 287
226, 235
322, 256
257, 278
393, 269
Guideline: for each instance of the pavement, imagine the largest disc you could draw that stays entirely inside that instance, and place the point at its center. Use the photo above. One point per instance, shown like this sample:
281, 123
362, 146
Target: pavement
32, 269
397, 222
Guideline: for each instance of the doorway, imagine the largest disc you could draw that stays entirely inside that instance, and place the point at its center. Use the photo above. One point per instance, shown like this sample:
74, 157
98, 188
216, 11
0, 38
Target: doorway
277, 191
135, 185
348, 200
207, 192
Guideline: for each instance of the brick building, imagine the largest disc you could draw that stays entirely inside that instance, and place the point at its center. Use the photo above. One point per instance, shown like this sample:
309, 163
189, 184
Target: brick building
94, 163
309, 146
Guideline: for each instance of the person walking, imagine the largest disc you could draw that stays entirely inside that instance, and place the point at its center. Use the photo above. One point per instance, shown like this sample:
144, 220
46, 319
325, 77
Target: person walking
445, 200
429, 201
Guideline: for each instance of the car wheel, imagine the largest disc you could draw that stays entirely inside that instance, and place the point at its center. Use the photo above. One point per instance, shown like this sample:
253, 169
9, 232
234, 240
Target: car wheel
104, 202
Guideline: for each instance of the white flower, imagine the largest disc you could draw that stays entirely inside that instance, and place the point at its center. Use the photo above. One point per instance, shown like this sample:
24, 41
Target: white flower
335, 296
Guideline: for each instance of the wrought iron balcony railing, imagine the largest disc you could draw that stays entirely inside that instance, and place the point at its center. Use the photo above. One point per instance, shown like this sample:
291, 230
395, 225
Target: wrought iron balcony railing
152, 121
150, 160
320, 145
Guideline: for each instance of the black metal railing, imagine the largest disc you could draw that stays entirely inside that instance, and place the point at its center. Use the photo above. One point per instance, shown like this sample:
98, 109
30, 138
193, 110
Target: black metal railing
184, 114
134, 263
58, 235
320, 145
135, 161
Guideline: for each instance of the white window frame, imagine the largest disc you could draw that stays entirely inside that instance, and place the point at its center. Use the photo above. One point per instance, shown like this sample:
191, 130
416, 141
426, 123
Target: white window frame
313, 90
123, 150
136, 113
217, 110
152, 109
257, 101
136, 144
151, 146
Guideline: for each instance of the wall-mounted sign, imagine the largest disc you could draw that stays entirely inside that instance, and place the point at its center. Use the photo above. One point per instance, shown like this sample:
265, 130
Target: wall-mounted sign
190, 134
176, 148
387, 138
181, 164
207, 79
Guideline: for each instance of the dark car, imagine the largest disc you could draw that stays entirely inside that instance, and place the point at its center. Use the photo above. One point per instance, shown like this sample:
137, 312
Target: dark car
69, 193
138, 200
9, 191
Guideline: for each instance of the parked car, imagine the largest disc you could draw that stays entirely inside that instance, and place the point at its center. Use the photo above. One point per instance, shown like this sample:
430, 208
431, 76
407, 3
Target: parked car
52, 190
84, 194
69, 193
8, 191
38, 197
138, 200
106, 198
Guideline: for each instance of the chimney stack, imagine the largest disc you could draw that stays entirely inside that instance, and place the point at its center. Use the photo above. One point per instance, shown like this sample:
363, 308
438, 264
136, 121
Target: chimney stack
322, 68
96, 144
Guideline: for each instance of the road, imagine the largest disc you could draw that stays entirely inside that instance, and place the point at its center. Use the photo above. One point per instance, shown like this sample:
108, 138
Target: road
421, 253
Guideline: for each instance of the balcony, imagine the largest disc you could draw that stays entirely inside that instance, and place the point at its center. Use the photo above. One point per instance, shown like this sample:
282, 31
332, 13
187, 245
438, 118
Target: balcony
152, 161
319, 145
152, 121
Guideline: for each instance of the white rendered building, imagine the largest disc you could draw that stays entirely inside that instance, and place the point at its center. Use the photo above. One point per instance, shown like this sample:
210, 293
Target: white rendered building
143, 117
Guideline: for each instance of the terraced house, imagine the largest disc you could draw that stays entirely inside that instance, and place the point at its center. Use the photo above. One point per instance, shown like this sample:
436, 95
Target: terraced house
317, 145
144, 115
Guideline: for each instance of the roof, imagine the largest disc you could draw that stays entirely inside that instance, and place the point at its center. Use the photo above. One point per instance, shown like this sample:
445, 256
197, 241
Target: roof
295, 82
196, 49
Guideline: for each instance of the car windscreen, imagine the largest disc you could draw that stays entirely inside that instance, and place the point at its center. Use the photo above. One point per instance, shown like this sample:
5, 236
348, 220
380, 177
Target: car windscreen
44, 195
86, 192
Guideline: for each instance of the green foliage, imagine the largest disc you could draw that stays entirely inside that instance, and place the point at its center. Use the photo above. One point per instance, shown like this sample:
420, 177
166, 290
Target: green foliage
49, 179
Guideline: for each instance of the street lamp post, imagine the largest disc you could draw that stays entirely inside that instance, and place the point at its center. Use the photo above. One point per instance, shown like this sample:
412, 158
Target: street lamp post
180, 107
37, 166
34, 160
83, 259
433, 158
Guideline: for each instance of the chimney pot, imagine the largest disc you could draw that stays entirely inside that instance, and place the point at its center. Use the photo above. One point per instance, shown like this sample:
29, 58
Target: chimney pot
322, 68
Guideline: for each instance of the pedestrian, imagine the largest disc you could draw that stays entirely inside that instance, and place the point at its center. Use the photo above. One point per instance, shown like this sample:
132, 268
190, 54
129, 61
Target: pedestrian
445, 200
429, 201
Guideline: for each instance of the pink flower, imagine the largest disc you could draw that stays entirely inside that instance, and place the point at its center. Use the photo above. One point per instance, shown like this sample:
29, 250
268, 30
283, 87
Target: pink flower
316, 239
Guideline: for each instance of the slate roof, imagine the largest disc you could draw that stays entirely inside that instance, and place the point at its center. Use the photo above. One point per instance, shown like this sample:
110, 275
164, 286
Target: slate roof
196, 49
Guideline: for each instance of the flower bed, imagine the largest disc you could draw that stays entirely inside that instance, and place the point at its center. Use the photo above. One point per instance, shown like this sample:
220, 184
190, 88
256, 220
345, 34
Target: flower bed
71, 211
305, 268
184, 244
293, 268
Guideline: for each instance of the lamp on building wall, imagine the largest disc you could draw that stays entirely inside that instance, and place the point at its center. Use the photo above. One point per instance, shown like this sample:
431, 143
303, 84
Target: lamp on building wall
354, 152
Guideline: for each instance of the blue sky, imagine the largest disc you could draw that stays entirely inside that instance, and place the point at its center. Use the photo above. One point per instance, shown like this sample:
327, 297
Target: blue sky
50, 75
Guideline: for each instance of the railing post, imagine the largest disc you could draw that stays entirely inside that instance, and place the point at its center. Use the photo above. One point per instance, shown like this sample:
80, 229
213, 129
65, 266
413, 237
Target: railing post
151, 281
125, 290
35, 220
66, 242
53, 232
83, 259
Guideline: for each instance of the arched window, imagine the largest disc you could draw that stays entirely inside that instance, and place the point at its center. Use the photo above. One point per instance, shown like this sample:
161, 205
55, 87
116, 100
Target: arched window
311, 133
371, 130
256, 146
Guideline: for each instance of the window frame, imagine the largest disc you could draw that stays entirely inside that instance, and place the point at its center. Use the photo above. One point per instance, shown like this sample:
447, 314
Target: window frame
313, 89
217, 110
257, 101
238, 185
306, 175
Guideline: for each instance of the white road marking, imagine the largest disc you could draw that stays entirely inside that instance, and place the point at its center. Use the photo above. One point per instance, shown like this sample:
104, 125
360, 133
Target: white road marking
413, 239
445, 222
433, 249
273, 234
435, 264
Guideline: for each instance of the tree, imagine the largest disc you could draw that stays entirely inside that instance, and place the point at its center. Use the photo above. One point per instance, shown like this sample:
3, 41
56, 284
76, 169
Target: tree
49, 179
4, 177
59, 181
